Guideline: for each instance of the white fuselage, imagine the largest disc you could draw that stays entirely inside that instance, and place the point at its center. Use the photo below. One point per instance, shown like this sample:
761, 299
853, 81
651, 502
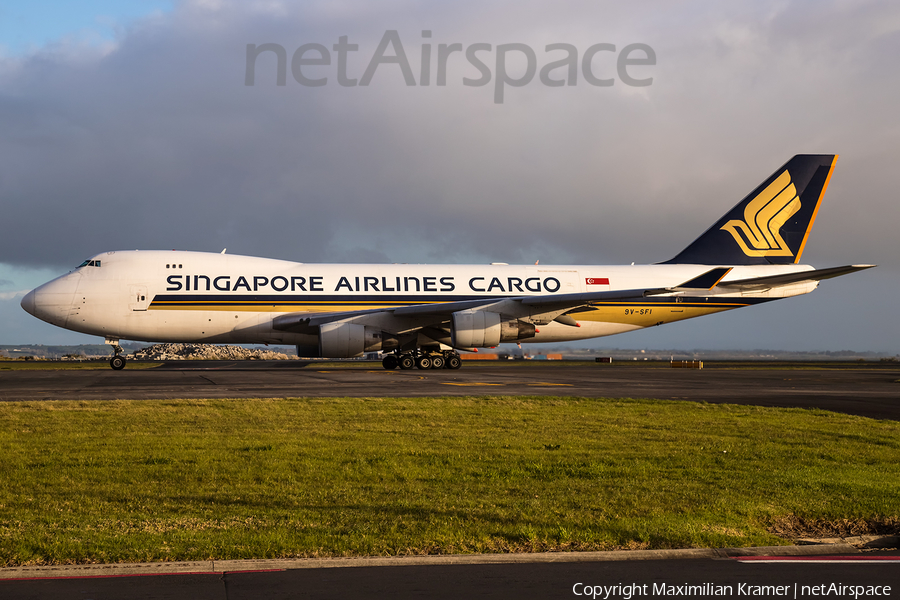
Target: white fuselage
218, 298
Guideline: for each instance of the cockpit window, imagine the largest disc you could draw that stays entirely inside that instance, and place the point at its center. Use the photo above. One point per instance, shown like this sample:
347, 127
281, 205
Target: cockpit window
90, 263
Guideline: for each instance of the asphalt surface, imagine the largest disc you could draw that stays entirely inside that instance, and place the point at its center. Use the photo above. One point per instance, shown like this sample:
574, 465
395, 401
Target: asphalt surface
865, 389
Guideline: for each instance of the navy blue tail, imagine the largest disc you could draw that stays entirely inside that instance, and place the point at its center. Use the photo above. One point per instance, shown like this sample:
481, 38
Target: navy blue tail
771, 225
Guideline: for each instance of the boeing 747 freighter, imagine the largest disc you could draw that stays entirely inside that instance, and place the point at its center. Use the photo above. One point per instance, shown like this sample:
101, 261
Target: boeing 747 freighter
421, 315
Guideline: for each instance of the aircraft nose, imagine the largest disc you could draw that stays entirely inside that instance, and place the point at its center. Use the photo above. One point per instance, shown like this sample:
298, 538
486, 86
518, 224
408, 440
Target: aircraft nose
53, 302
28, 303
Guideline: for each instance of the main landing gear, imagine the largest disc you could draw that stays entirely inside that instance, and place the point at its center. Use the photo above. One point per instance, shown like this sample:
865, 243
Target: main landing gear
422, 360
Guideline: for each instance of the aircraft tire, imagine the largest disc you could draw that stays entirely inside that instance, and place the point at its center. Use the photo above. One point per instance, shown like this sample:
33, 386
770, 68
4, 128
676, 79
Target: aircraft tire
117, 363
406, 362
454, 362
423, 362
437, 362
390, 362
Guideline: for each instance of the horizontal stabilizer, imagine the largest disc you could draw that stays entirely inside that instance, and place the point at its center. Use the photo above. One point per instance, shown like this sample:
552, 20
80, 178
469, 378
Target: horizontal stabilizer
788, 278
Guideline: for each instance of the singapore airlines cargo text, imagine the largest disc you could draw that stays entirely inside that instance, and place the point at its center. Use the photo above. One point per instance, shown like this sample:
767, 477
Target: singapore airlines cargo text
307, 62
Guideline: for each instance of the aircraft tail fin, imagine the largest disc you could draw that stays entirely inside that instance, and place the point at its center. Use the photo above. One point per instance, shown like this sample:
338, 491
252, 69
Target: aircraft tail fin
771, 225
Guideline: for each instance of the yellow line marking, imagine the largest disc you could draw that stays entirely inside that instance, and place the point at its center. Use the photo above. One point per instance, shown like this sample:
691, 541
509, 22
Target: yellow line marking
470, 384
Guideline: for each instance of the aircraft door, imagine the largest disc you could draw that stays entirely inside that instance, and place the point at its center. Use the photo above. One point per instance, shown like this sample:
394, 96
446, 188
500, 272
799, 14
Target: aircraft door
140, 298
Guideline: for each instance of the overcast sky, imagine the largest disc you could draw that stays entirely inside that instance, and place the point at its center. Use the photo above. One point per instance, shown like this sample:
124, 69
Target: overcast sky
130, 125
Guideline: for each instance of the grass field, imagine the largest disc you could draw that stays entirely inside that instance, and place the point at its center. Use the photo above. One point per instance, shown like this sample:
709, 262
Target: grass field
171, 480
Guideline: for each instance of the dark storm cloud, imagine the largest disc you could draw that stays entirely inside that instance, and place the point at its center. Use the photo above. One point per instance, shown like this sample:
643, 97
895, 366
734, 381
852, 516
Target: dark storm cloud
157, 143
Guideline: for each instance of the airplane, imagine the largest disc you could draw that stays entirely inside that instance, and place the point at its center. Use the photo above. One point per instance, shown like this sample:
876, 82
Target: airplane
423, 315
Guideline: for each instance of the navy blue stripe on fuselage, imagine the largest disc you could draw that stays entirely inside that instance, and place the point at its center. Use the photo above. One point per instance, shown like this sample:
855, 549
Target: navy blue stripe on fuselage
394, 300
195, 300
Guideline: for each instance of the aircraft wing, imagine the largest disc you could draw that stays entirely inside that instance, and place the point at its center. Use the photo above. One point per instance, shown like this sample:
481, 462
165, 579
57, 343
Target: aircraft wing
421, 315
541, 309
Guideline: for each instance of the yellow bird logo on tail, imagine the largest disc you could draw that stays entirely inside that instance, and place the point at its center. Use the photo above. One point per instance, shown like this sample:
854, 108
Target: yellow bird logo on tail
764, 216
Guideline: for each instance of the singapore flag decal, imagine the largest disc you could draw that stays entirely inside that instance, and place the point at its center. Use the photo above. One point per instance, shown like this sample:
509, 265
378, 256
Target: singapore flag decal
597, 280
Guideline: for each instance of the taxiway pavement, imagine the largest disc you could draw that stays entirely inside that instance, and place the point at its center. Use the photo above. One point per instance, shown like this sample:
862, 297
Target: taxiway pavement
871, 390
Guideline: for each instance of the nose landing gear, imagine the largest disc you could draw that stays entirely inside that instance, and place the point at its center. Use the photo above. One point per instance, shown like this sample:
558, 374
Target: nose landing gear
117, 362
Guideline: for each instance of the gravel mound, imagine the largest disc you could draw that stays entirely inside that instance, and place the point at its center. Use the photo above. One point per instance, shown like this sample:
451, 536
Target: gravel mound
205, 352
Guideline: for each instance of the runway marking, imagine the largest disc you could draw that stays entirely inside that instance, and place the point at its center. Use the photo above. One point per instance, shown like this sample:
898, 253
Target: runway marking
546, 384
470, 384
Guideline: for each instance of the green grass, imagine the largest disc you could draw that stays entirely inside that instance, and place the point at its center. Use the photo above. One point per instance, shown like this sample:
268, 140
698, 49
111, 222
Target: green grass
177, 480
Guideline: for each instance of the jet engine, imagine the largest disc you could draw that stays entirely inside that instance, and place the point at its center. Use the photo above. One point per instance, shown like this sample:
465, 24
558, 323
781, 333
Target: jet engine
346, 340
483, 329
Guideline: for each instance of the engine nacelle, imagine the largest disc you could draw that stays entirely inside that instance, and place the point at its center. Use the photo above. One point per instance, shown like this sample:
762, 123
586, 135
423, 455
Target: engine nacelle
484, 329
346, 340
